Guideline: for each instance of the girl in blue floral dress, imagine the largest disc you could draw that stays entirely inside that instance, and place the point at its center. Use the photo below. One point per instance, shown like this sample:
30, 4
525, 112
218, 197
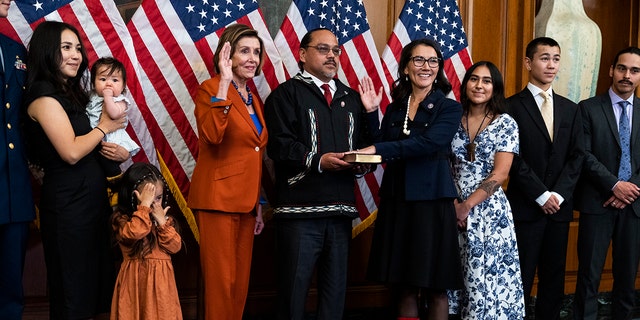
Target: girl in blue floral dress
484, 146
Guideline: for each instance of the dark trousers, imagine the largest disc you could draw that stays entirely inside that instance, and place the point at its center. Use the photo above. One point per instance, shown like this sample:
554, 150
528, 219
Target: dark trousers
596, 231
13, 245
542, 246
301, 245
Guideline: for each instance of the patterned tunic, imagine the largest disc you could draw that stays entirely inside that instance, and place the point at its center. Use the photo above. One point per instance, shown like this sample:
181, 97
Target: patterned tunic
490, 262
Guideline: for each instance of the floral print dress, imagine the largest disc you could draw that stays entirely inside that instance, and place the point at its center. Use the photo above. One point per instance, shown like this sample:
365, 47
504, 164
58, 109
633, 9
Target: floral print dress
489, 252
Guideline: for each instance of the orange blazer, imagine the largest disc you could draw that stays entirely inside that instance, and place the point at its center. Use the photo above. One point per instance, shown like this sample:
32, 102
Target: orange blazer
229, 166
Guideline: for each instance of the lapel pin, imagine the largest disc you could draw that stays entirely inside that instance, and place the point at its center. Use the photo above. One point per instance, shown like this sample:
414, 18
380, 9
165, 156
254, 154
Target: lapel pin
19, 64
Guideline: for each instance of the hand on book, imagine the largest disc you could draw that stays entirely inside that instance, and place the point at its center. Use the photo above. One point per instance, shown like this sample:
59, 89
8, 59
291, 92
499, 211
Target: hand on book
368, 150
333, 161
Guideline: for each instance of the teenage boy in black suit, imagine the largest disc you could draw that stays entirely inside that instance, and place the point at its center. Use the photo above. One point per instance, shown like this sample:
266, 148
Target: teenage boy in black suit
543, 176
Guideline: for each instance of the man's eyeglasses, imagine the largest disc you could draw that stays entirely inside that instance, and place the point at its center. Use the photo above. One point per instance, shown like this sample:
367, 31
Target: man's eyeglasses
324, 49
419, 61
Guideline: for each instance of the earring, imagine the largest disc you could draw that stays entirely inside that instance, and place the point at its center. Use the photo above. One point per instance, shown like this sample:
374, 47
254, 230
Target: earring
406, 77
435, 81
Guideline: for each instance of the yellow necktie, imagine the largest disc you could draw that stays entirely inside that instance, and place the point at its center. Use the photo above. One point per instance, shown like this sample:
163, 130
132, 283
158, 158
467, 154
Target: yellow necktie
547, 113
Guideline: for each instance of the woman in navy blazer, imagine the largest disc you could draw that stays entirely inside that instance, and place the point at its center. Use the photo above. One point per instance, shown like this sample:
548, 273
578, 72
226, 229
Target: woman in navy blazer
415, 239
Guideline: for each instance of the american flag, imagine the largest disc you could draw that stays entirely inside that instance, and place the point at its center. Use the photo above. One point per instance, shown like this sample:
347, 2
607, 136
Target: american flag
436, 19
167, 49
347, 19
103, 33
175, 42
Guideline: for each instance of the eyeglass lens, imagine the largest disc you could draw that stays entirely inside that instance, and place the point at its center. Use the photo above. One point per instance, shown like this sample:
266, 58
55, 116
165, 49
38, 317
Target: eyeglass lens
324, 49
419, 61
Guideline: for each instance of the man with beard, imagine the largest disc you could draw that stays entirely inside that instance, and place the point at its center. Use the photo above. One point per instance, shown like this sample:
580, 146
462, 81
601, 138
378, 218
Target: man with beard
608, 190
313, 119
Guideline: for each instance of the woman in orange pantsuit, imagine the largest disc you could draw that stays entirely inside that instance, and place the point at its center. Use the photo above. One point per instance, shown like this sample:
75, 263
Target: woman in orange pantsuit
225, 187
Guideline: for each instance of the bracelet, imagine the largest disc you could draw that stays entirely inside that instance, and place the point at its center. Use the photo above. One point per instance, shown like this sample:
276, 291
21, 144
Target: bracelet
104, 133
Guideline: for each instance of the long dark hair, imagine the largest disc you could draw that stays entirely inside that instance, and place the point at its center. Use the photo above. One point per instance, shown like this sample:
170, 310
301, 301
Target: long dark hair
137, 175
44, 60
497, 103
402, 86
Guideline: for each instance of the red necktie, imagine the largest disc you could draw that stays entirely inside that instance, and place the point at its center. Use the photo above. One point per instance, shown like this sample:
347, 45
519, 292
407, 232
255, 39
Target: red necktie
327, 93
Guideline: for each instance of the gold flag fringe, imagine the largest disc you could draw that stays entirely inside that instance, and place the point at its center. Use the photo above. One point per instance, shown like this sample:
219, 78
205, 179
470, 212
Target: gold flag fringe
355, 231
180, 200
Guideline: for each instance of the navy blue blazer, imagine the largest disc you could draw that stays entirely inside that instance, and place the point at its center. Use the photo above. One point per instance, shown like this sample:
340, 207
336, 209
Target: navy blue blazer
427, 150
16, 199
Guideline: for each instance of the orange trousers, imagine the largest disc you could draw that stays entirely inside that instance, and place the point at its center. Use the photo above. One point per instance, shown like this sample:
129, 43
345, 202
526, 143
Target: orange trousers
226, 244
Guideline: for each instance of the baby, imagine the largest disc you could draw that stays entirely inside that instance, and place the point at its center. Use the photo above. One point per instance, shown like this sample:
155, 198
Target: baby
108, 79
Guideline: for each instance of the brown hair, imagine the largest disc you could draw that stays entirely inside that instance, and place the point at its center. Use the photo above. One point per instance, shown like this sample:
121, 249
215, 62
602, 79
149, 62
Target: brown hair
233, 34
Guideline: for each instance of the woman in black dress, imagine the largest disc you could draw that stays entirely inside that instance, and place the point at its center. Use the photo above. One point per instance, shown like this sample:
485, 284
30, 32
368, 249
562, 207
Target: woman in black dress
415, 244
74, 209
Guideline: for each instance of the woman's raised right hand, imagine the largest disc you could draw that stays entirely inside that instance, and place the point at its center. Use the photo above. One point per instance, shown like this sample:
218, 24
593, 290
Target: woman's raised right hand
225, 64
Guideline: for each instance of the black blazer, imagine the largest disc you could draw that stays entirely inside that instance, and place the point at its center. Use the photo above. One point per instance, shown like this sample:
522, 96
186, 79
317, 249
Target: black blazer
602, 154
542, 165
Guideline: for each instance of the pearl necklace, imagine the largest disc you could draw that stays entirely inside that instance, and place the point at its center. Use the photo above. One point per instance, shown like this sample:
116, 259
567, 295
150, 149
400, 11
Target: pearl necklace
405, 130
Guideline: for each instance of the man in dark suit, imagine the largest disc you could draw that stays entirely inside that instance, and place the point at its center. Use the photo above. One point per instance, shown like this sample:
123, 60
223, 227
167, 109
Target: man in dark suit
543, 176
16, 201
608, 189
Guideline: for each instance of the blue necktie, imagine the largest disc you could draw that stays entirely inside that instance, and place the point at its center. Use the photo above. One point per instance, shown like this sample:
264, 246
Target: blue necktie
624, 172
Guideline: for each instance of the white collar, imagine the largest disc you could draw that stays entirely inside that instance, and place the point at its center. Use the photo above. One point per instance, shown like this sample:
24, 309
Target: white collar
318, 82
615, 99
536, 90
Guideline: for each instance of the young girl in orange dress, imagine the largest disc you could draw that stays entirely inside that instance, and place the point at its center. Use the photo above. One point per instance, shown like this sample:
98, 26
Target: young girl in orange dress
146, 286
